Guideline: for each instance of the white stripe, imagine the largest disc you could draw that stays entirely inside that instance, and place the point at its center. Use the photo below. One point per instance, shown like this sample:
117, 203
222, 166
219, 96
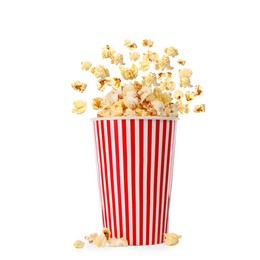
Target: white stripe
120, 141
164, 173
159, 173
103, 169
152, 182
115, 177
98, 169
144, 181
129, 176
137, 175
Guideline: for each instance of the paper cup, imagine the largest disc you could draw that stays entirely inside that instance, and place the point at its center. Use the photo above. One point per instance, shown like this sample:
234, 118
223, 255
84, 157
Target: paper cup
135, 158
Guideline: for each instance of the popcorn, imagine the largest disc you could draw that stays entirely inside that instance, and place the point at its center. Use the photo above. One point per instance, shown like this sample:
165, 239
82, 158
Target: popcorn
135, 93
100, 72
86, 65
171, 51
100, 240
145, 64
80, 106
107, 52
114, 82
117, 59
163, 63
158, 106
199, 108
130, 45
129, 73
189, 96
91, 237
185, 75
79, 86
171, 239
97, 103
181, 62
148, 43
78, 244
114, 242
134, 56
198, 90
178, 94
149, 80
106, 233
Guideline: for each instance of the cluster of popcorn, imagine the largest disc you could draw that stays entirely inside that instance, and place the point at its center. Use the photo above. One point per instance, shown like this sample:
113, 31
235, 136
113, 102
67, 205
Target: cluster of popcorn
101, 240
104, 238
146, 87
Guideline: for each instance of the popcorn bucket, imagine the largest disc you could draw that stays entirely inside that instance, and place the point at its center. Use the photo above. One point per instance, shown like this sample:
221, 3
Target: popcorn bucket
135, 158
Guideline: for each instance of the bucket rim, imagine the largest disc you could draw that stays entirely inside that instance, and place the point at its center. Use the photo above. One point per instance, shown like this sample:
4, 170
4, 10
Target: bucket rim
135, 118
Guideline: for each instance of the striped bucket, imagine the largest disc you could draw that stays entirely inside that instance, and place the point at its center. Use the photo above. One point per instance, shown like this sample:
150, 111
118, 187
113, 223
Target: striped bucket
135, 158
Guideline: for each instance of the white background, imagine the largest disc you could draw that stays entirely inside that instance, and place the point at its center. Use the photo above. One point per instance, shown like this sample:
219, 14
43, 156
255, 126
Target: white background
48, 188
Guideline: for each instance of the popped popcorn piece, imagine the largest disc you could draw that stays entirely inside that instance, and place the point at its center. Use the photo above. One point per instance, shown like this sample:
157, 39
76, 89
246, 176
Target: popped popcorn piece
167, 85
134, 56
79, 86
80, 106
158, 106
130, 45
178, 94
166, 75
166, 98
148, 43
101, 84
100, 72
145, 64
97, 103
144, 92
137, 86
163, 63
171, 239
199, 108
198, 90
78, 244
182, 108
171, 51
106, 232
114, 242
90, 238
129, 73
129, 96
111, 97
100, 240
114, 82
151, 56
149, 80
117, 59
86, 65
107, 52
129, 112
184, 75
189, 96
181, 62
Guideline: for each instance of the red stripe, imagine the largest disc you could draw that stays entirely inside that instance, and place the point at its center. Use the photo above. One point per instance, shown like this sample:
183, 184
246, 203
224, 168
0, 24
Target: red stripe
141, 158
118, 178
106, 175
167, 176
124, 134
102, 180
148, 183
157, 137
160, 235
111, 158
132, 130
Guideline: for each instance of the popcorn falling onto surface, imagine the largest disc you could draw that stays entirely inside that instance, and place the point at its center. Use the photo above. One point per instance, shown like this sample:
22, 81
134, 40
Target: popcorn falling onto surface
150, 84
104, 238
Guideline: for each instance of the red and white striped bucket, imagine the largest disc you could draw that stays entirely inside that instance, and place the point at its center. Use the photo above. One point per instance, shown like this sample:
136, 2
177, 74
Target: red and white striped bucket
135, 158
